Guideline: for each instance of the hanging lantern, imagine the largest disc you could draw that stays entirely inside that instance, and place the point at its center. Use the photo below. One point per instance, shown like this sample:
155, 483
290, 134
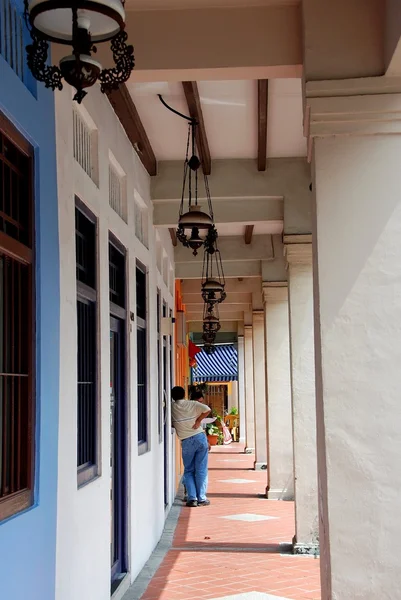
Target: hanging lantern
209, 348
211, 322
80, 24
195, 226
213, 281
209, 337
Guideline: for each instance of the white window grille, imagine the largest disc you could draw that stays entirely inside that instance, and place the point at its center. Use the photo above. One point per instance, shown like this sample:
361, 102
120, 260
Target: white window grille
141, 223
117, 193
159, 256
85, 145
11, 37
165, 269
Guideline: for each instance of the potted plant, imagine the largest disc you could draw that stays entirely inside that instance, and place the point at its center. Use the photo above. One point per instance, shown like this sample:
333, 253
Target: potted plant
233, 411
212, 434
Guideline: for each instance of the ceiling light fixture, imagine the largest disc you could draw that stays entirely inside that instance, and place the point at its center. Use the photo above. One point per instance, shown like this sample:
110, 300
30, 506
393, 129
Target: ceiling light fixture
195, 227
213, 282
211, 321
80, 24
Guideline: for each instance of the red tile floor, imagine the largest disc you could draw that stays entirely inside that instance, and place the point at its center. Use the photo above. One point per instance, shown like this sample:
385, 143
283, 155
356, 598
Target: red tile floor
214, 557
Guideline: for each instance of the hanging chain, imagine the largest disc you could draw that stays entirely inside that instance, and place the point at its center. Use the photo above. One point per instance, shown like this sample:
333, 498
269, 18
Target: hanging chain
185, 171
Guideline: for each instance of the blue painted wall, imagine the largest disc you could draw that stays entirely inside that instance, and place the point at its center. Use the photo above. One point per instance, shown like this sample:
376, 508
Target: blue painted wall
28, 540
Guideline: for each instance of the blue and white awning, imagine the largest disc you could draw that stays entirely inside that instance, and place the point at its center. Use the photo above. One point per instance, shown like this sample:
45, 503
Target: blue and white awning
222, 365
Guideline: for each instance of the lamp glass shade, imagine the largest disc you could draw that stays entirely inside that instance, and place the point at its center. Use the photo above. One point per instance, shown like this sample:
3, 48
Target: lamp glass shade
196, 219
102, 18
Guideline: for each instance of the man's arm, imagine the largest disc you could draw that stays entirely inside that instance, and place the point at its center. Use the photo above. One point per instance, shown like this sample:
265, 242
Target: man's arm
199, 419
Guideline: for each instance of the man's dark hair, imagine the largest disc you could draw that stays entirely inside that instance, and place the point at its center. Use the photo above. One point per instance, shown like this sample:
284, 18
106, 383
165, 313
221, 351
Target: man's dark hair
178, 393
196, 395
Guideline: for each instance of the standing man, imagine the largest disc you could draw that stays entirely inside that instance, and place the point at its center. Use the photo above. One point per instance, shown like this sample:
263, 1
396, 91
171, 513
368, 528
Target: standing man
187, 416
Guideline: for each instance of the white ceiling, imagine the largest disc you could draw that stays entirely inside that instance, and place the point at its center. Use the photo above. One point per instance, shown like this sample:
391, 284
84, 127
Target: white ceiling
285, 119
230, 115
167, 133
186, 4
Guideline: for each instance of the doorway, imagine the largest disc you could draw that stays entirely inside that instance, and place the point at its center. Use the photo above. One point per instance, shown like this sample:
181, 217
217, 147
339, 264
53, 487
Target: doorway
117, 451
165, 413
118, 435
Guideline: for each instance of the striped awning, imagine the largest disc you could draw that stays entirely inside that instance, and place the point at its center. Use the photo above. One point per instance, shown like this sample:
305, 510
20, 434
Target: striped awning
222, 365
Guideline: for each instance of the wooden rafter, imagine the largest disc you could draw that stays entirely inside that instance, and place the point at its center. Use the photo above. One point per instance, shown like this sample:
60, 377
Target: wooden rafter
263, 86
195, 110
126, 111
248, 233
173, 236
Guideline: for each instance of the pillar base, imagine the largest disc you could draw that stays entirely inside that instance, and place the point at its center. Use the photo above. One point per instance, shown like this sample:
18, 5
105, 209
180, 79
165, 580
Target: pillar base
311, 548
249, 450
279, 495
260, 466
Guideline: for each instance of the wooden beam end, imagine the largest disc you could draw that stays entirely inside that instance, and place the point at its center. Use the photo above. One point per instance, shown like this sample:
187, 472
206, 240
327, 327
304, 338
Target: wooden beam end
248, 233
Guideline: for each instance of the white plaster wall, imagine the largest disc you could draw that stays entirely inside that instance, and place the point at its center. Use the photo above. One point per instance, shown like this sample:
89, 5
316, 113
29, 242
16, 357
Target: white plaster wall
241, 389
259, 384
300, 288
358, 357
279, 418
249, 389
83, 525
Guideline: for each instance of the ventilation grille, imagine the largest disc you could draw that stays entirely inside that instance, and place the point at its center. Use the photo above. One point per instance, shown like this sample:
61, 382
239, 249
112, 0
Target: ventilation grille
12, 37
141, 224
117, 195
82, 143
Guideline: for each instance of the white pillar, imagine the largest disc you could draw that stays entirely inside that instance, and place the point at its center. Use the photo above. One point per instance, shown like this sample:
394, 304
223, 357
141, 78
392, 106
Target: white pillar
249, 393
357, 267
302, 357
241, 390
259, 386
279, 417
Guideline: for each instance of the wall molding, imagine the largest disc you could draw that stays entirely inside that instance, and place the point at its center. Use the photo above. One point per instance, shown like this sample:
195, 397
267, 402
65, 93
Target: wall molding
366, 106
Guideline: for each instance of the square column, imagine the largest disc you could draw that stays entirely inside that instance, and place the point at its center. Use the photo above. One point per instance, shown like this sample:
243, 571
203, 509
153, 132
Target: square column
357, 279
302, 357
241, 390
259, 385
249, 392
279, 418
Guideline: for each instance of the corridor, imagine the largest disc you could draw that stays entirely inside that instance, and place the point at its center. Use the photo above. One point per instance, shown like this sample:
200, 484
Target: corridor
236, 549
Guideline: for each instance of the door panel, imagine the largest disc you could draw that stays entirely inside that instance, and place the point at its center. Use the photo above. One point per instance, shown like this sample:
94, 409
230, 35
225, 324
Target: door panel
117, 451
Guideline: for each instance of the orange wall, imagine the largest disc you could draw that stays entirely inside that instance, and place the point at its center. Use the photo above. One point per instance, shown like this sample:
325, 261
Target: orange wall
181, 377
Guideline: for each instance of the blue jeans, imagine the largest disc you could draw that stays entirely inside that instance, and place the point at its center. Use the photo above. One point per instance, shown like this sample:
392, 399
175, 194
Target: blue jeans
195, 452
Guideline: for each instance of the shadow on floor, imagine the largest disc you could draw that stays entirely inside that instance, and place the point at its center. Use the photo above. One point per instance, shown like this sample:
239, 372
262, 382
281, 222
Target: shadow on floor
284, 548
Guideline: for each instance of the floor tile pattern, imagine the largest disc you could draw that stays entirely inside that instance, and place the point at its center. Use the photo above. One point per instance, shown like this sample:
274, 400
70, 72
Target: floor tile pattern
215, 558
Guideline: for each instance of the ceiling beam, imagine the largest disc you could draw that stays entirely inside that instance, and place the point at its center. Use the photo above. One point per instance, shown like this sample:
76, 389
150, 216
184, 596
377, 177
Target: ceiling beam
126, 111
195, 110
248, 233
173, 236
263, 87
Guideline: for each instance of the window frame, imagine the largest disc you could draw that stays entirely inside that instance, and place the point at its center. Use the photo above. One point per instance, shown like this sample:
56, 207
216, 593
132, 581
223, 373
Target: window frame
86, 294
143, 324
24, 499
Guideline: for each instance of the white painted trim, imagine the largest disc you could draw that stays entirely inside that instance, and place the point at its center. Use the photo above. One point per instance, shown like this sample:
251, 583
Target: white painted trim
353, 87
299, 254
275, 291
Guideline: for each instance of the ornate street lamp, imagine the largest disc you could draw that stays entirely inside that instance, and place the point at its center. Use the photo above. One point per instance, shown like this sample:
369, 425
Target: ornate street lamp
209, 337
209, 348
80, 24
213, 281
195, 227
211, 322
